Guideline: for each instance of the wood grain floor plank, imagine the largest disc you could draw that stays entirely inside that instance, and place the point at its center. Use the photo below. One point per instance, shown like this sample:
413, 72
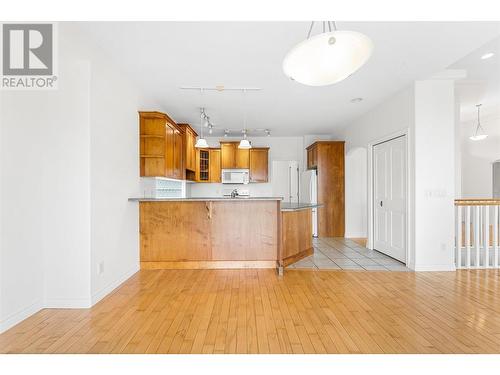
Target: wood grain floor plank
256, 311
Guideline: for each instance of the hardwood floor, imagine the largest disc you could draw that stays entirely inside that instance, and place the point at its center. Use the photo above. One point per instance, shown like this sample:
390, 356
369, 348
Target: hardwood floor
255, 311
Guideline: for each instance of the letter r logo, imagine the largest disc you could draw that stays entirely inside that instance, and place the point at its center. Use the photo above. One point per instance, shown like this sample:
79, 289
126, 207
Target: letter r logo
27, 49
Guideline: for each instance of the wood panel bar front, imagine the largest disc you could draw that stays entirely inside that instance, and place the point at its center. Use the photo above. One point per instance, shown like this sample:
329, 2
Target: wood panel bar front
209, 234
296, 236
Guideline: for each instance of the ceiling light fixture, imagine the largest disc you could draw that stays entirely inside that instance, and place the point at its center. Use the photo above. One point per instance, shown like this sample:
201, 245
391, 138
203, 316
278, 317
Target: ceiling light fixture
487, 55
479, 133
201, 142
327, 58
244, 143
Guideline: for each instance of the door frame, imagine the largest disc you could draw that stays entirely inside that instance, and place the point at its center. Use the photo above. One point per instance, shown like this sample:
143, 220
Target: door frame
371, 180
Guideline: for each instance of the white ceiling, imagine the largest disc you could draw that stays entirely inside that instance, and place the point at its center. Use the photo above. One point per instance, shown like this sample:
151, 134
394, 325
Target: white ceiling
162, 56
482, 84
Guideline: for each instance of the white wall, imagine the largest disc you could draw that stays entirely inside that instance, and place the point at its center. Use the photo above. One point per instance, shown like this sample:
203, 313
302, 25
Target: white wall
434, 174
280, 148
394, 115
356, 193
426, 111
68, 163
477, 158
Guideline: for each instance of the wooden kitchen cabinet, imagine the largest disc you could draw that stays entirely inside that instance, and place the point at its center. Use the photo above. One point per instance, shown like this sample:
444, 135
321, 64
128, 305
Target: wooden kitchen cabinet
328, 158
312, 156
208, 165
215, 165
228, 155
160, 146
152, 145
259, 165
189, 151
178, 155
234, 157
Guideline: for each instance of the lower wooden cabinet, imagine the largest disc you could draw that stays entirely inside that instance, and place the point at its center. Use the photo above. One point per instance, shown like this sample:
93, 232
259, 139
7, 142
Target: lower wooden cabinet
259, 164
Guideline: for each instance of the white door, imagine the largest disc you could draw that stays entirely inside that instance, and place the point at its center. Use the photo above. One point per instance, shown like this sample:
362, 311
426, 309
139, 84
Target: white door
389, 193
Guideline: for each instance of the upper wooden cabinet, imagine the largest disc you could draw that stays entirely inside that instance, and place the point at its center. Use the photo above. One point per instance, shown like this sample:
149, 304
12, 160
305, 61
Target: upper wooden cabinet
208, 165
215, 165
189, 152
312, 156
228, 155
234, 157
160, 146
189, 140
259, 166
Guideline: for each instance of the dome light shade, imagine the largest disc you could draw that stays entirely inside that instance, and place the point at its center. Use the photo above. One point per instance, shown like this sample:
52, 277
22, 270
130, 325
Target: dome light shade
327, 58
244, 143
479, 137
201, 143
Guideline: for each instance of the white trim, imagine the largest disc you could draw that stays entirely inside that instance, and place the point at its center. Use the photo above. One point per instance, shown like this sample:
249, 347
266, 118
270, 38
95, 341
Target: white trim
400, 133
436, 267
355, 235
19, 316
67, 303
100, 294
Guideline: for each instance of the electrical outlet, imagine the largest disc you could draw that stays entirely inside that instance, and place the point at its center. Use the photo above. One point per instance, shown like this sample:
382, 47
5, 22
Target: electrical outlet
100, 268
443, 247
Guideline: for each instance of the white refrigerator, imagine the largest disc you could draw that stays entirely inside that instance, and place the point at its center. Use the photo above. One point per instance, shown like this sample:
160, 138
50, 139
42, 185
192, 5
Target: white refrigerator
309, 194
285, 180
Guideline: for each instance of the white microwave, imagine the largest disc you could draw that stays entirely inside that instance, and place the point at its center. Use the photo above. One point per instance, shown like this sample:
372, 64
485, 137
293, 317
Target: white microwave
235, 176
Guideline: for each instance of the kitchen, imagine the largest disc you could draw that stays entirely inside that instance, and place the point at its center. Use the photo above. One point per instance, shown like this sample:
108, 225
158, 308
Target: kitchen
224, 202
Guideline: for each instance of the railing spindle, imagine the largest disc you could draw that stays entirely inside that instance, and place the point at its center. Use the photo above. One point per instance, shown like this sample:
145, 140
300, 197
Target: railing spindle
477, 234
496, 224
486, 236
467, 235
458, 239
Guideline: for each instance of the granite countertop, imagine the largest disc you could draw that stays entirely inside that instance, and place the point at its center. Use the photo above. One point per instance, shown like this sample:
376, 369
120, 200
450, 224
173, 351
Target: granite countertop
198, 199
287, 206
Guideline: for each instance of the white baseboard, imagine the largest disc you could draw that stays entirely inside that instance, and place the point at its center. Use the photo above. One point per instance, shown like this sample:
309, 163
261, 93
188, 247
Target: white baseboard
435, 267
67, 303
99, 295
355, 235
19, 316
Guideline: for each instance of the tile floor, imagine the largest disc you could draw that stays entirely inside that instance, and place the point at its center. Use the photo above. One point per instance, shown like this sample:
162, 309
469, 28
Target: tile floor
344, 254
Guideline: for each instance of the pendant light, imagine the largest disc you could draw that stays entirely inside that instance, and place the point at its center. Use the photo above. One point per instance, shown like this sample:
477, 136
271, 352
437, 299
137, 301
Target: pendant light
327, 58
479, 133
244, 143
201, 142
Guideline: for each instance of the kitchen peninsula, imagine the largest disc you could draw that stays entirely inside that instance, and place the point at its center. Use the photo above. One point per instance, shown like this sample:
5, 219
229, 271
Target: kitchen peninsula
198, 233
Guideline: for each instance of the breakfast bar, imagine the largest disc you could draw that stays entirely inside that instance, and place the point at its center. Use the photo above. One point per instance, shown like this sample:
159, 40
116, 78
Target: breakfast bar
211, 233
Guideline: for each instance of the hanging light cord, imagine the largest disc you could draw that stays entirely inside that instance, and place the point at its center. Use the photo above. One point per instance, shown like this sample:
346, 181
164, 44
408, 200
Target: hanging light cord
478, 120
330, 24
202, 112
244, 115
